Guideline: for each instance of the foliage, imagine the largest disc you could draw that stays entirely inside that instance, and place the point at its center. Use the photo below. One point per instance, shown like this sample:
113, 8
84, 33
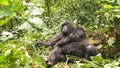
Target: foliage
22, 22
98, 61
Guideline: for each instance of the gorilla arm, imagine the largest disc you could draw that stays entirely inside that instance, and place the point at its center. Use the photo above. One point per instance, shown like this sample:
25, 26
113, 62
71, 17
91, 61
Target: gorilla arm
76, 36
50, 42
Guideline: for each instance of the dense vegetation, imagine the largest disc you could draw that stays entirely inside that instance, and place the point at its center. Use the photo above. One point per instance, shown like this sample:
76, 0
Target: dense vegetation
22, 22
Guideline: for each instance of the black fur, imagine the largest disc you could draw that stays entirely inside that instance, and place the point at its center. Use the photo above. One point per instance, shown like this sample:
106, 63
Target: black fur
74, 44
71, 41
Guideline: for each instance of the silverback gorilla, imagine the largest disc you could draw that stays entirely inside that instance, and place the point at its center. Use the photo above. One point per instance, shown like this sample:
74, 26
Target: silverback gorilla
71, 41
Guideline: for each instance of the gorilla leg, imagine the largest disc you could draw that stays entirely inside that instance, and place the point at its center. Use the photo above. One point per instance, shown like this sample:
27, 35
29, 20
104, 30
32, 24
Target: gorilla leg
90, 51
56, 56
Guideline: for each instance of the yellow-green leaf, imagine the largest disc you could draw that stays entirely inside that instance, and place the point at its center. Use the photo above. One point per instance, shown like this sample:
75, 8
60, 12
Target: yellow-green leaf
4, 2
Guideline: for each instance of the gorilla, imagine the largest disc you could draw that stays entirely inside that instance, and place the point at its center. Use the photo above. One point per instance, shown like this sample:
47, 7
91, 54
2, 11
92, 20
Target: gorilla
71, 41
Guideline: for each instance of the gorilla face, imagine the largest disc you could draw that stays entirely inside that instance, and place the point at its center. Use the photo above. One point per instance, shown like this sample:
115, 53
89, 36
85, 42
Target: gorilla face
67, 28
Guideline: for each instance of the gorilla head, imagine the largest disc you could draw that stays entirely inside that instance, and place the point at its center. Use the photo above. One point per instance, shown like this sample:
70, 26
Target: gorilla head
67, 28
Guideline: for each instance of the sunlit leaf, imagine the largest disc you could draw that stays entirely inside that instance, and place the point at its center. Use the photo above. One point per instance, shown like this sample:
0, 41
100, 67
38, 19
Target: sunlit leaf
99, 46
106, 35
2, 59
108, 6
7, 52
110, 41
36, 21
108, 65
4, 2
98, 57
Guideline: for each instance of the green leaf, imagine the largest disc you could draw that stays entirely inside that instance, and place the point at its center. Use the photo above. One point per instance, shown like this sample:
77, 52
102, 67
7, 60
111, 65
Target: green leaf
108, 6
39, 60
110, 42
3, 21
116, 21
99, 46
4, 2
107, 27
97, 58
2, 59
